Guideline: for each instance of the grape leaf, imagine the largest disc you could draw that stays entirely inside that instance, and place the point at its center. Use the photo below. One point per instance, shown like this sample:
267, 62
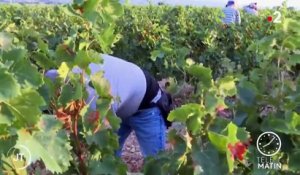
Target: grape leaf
203, 74
112, 10
101, 85
294, 60
42, 60
19, 106
106, 38
194, 123
5, 40
247, 93
70, 93
227, 86
211, 101
294, 159
184, 112
10, 166
208, 159
51, 147
63, 70
84, 58
289, 125
26, 74
10, 88
218, 140
108, 165
49, 123
6, 117
113, 120
231, 135
101, 138
15, 54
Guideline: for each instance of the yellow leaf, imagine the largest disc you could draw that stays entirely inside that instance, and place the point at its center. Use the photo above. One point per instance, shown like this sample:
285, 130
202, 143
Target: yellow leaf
63, 70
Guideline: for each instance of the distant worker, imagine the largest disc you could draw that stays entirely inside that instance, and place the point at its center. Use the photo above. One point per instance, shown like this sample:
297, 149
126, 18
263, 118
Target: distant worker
252, 9
232, 14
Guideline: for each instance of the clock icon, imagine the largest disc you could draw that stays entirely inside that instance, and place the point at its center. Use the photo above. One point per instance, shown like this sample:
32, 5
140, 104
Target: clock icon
268, 143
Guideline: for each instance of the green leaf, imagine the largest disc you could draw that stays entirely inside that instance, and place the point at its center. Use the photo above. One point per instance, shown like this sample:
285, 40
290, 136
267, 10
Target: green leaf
10, 88
27, 74
27, 106
219, 125
231, 135
180, 146
194, 124
153, 166
247, 93
5, 40
84, 58
12, 167
290, 25
263, 45
211, 101
90, 5
227, 86
240, 118
43, 46
243, 135
289, 125
252, 157
111, 10
63, 54
208, 159
7, 141
113, 120
203, 74
15, 54
42, 60
107, 166
232, 130
156, 54
49, 123
51, 147
294, 159
294, 60
184, 112
103, 106
70, 93
106, 38
6, 117
218, 140
101, 85
102, 138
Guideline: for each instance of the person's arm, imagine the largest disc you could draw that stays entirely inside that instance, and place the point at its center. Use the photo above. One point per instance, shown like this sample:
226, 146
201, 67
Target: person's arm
92, 95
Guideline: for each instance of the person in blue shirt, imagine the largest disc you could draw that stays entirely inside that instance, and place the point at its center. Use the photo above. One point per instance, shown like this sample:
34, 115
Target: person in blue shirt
252, 9
141, 104
232, 14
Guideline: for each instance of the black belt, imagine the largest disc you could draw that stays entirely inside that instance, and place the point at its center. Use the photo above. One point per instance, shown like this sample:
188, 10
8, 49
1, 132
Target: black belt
151, 91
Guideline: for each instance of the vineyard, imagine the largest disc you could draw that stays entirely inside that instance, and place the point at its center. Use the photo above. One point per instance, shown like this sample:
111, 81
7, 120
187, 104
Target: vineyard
230, 84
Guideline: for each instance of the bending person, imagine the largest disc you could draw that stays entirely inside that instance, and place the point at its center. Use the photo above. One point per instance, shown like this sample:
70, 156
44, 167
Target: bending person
142, 105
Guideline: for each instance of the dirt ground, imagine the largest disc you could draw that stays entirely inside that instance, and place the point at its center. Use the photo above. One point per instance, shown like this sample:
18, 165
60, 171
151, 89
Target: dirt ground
131, 154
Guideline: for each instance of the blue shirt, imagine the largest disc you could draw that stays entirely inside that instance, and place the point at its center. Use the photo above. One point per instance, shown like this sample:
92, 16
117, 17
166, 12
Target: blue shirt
232, 15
